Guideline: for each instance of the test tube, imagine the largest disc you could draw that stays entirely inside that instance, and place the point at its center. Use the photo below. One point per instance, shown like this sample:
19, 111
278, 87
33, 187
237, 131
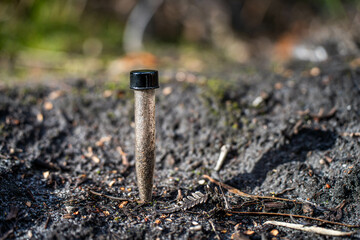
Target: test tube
144, 82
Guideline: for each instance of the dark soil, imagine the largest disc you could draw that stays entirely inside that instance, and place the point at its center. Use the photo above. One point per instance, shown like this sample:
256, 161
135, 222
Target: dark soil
290, 132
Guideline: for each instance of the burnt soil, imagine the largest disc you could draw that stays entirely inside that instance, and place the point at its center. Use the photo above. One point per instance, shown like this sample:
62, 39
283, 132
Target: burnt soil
293, 134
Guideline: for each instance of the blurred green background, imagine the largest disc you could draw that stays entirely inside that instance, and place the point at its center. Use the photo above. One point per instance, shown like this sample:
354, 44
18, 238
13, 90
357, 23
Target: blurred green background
85, 37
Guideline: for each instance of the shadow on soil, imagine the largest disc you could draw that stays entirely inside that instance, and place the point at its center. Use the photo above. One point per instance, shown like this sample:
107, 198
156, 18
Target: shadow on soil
297, 148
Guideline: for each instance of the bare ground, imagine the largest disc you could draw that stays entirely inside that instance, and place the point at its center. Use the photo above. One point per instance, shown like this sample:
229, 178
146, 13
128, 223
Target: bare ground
293, 133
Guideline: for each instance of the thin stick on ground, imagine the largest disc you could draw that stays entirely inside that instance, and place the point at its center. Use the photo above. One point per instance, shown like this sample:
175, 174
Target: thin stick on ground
213, 227
242, 194
296, 216
222, 192
110, 197
223, 152
312, 229
47, 222
321, 114
350, 134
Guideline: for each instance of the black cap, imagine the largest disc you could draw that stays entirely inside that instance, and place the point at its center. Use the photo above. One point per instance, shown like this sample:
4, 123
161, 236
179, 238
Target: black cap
144, 79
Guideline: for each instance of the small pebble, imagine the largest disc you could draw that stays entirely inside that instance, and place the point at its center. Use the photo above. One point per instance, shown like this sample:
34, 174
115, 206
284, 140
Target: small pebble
274, 232
202, 182
48, 106
249, 232
195, 223
46, 174
196, 228
257, 101
69, 208
315, 71
39, 117
167, 91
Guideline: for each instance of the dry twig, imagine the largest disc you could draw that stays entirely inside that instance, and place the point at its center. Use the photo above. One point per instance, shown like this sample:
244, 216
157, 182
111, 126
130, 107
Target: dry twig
242, 194
312, 229
110, 197
124, 159
295, 216
47, 222
350, 134
223, 152
321, 114
214, 229
222, 191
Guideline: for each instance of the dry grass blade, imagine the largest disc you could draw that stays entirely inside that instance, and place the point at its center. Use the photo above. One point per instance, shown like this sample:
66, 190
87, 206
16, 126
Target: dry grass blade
312, 229
242, 194
214, 229
110, 197
295, 216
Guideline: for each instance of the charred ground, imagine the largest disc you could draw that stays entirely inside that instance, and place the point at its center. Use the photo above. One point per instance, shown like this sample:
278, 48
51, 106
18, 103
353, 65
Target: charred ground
294, 130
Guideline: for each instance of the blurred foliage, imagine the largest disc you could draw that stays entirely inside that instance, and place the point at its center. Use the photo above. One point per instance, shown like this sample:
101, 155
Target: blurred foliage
334, 8
83, 36
56, 26
66, 25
